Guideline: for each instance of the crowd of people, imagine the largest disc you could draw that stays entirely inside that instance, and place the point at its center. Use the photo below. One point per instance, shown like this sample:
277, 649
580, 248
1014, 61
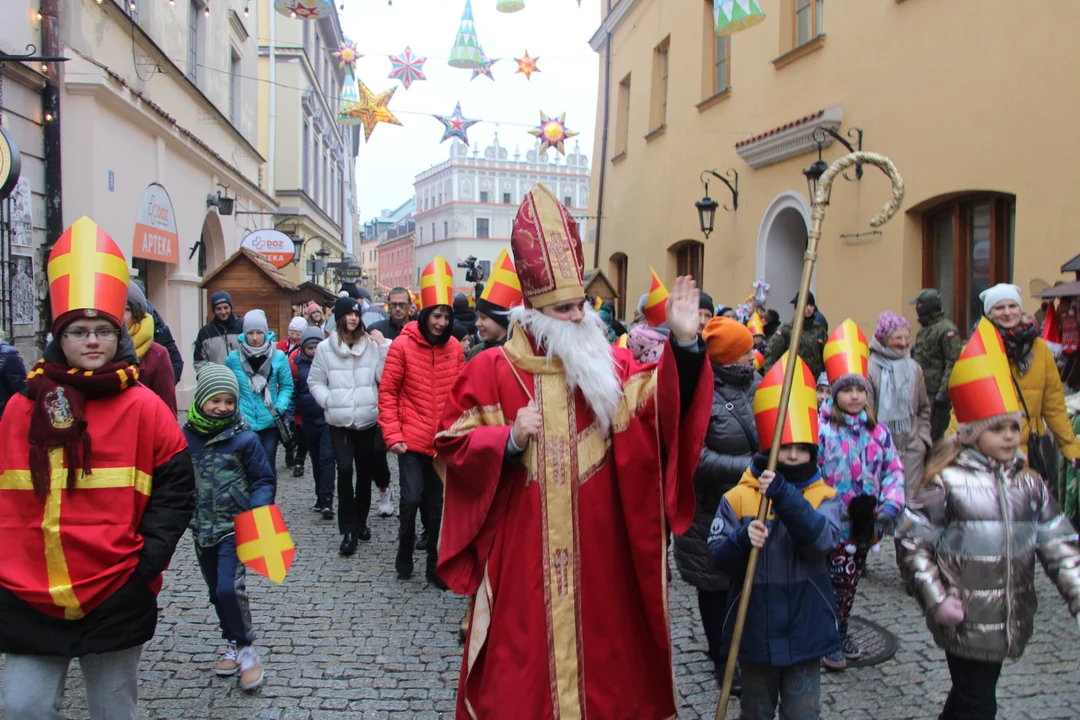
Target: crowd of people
546, 450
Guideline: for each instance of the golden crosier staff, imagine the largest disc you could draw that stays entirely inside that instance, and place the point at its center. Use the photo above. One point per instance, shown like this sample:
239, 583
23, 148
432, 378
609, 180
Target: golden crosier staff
823, 189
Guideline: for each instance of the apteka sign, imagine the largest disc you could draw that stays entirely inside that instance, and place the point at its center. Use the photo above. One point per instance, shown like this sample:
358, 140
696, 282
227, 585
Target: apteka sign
155, 230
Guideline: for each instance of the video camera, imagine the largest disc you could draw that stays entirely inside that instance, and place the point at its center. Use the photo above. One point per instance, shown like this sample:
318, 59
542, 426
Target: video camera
473, 272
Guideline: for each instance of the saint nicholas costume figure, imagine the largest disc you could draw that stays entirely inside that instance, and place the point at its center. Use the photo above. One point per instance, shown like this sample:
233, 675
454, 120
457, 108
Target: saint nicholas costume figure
566, 463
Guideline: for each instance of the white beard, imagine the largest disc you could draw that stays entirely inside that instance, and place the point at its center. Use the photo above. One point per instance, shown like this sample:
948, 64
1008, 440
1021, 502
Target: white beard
586, 356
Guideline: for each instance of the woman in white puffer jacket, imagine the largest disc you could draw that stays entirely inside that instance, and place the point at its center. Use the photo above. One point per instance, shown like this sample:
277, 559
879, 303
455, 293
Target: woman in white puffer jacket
344, 381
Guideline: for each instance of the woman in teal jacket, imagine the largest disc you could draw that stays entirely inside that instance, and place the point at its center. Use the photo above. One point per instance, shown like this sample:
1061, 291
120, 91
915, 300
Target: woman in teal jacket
265, 380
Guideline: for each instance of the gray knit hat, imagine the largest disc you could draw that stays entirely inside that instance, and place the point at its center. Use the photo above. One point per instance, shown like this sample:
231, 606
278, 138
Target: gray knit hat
255, 320
213, 380
968, 433
136, 300
312, 334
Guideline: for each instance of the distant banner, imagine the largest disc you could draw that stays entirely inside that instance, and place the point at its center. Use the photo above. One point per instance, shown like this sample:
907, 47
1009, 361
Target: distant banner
155, 229
274, 245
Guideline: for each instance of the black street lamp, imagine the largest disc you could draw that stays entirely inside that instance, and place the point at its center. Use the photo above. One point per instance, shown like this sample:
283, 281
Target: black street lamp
706, 206
815, 171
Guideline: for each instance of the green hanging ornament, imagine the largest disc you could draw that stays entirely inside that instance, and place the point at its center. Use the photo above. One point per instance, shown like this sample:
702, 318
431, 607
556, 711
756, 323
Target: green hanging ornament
509, 6
466, 51
731, 16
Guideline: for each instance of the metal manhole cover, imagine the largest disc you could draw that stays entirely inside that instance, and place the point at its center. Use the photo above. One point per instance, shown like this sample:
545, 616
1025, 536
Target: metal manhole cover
877, 643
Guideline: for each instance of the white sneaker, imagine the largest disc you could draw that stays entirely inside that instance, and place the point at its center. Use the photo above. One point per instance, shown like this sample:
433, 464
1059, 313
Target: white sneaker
251, 672
228, 666
386, 503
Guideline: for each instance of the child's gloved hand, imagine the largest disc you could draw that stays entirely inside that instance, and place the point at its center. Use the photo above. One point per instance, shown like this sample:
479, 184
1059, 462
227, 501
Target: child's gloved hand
765, 481
950, 612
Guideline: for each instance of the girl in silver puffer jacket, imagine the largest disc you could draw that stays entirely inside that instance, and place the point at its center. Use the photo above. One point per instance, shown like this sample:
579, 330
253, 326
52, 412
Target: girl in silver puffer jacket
967, 547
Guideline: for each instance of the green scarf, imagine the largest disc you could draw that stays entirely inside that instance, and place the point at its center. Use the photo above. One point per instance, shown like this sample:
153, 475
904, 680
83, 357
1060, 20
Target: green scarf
204, 425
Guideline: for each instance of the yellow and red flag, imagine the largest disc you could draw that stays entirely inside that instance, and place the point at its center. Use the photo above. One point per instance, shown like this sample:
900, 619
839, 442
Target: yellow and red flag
437, 283
981, 384
597, 302
503, 288
263, 542
755, 325
759, 360
801, 422
846, 352
656, 303
87, 271
623, 341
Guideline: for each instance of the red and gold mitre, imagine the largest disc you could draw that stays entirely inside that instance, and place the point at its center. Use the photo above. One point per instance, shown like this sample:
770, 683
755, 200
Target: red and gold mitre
846, 352
655, 309
623, 341
755, 325
87, 272
503, 289
981, 384
547, 250
597, 303
759, 360
801, 422
437, 283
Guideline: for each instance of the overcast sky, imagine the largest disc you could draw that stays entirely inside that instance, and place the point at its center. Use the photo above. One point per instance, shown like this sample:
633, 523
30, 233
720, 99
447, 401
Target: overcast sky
556, 31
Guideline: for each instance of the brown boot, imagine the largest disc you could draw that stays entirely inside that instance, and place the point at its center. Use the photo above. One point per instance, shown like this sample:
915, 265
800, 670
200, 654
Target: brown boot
251, 672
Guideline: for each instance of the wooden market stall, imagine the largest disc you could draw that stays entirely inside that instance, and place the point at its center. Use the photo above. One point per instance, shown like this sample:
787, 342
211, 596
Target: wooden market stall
253, 283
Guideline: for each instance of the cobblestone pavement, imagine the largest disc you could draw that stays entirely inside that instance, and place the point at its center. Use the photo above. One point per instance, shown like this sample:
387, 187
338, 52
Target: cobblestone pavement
343, 638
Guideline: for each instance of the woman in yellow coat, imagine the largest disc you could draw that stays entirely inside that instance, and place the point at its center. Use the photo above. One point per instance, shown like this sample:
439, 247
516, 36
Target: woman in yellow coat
1033, 369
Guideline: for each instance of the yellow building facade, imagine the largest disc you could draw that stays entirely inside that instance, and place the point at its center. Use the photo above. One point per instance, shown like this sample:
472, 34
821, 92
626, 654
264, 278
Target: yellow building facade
966, 99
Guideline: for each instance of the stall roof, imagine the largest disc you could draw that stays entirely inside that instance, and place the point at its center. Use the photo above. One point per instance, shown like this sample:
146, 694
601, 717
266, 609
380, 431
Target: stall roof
258, 261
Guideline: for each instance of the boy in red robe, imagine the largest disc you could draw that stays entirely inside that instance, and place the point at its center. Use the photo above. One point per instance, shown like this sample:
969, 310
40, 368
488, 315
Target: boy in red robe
563, 474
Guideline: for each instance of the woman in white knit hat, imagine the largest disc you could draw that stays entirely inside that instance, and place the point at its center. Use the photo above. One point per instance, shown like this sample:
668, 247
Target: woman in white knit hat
1033, 370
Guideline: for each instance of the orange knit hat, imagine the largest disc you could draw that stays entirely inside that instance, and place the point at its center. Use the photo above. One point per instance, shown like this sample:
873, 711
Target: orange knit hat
726, 340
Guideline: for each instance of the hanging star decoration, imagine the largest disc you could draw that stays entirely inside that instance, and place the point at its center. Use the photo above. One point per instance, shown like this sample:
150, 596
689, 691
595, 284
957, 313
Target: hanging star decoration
457, 125
485, 66
552, 132
304, 9
408, 68
527, 65
347, 56
372, 109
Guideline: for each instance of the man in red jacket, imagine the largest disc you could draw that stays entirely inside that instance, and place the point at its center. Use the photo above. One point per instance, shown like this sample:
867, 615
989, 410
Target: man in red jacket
421, 367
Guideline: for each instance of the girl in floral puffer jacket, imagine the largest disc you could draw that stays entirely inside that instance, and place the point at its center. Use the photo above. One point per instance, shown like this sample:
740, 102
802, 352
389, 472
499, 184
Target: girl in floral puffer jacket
858, 458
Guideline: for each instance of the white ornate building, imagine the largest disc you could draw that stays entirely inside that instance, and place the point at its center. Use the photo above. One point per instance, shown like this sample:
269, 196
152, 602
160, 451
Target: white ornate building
467, 204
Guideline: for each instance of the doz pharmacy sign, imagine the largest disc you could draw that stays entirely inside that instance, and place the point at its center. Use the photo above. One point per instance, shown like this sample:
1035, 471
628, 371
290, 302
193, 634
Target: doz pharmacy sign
155, 230
275, 246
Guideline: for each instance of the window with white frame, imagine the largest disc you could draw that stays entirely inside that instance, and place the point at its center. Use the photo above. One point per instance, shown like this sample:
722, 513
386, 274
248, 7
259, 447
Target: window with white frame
483, 227
235, 87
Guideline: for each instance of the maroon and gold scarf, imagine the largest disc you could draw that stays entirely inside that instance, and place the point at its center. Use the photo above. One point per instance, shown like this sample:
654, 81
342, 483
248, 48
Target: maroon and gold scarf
59, 393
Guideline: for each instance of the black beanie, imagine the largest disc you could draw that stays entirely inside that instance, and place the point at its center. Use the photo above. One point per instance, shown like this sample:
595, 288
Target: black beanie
344, 306
706, 302
220, 297
498, 314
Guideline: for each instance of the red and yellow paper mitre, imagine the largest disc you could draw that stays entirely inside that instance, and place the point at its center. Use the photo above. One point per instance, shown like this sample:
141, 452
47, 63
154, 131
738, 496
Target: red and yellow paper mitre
755, 325
263, 542
437, 283
846, 352
623, 341
503, 288
981, 384
597, 303
87, 271
759, 360
801, 422
655, 309
547, 250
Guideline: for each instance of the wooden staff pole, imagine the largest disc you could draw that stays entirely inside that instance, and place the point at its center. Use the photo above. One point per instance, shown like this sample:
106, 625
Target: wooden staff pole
809, 259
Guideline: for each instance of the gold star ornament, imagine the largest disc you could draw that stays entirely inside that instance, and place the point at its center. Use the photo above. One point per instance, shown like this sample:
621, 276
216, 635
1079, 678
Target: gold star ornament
372, 109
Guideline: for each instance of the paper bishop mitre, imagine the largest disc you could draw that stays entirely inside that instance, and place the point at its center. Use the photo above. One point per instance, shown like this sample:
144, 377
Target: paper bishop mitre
755, 325
981, 384
655, 309
437, 283
87, 271
503, 289
846, 352
759, 360
801, 421
547, 250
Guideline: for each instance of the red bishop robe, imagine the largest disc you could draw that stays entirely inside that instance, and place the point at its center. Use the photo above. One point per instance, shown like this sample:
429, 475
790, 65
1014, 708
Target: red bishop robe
565, 546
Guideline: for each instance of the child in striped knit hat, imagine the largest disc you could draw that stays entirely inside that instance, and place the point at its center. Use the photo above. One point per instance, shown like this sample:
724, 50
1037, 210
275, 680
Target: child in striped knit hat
232, 475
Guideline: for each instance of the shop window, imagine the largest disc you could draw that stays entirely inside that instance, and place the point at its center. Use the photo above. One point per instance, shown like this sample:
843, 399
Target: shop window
622, 118
968, 246
688, 259
809, 20
619, 265
483, 228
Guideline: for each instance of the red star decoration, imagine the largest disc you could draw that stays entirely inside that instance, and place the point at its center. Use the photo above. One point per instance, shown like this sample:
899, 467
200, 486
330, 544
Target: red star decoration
527, 65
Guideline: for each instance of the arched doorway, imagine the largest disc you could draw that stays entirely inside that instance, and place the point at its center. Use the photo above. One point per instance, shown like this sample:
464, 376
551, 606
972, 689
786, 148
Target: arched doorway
211, 253
781, 245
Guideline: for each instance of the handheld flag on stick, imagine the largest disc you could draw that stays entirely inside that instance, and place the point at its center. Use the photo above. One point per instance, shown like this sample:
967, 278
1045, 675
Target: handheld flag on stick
263, 542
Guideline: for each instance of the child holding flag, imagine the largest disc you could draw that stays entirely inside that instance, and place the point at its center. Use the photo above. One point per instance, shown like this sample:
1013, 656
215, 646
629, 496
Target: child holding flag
232, 475
791, 621
967, 544
857, 458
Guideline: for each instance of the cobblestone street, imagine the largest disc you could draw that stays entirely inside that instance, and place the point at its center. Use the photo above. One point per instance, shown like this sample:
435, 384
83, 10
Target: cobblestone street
343, 638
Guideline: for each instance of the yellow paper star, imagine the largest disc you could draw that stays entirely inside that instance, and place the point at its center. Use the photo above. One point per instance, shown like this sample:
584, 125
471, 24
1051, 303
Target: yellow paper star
372, 109
347, 56
527, 65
